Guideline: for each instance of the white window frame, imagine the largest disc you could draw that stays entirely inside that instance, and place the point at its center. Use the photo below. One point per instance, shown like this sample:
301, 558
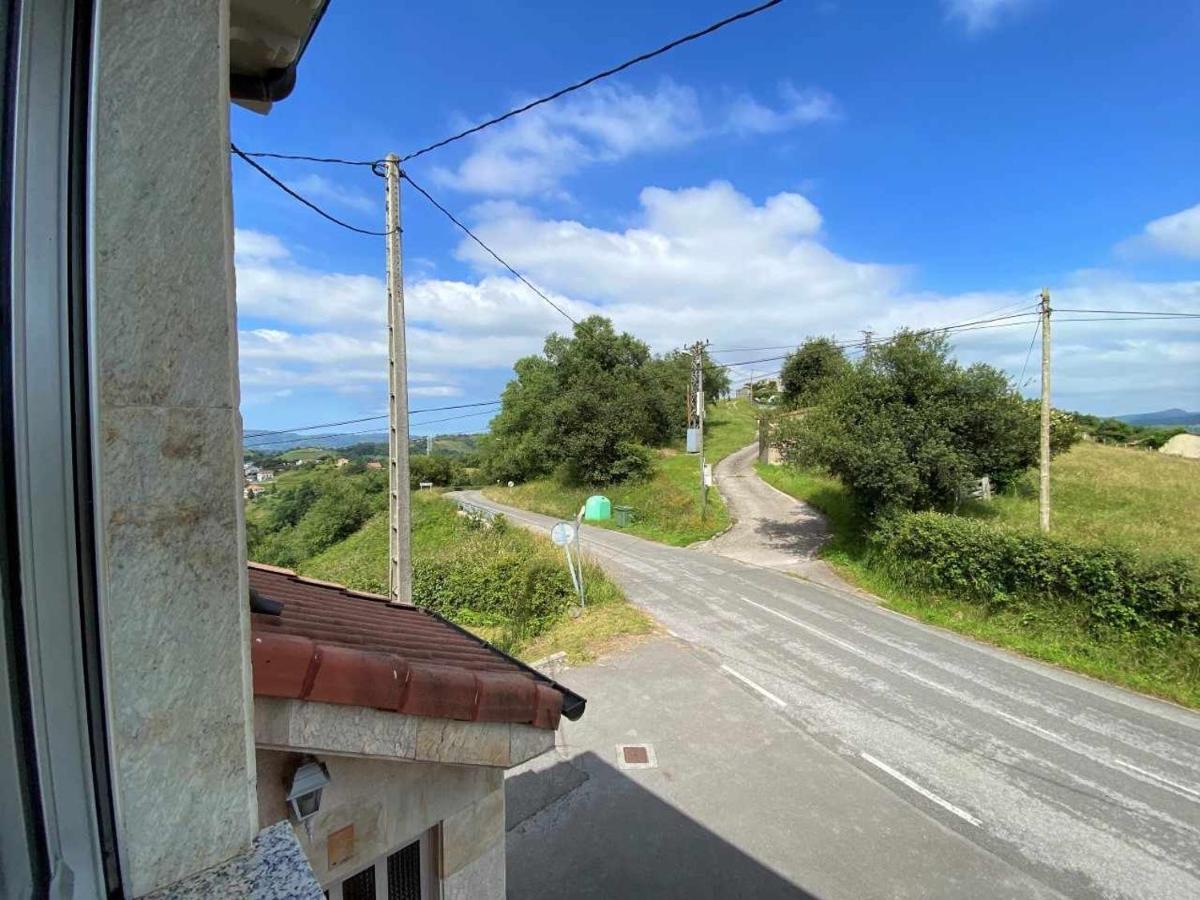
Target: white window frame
430, 885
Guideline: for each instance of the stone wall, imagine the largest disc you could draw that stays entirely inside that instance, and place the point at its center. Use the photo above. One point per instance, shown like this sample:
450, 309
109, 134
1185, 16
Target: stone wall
171, 555
390, 804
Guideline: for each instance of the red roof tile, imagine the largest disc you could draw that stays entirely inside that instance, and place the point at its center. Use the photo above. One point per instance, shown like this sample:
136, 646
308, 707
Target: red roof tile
335, 645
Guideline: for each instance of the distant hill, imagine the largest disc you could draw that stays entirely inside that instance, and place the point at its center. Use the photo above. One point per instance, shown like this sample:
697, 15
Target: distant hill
1163, 417
443, 444
278, 443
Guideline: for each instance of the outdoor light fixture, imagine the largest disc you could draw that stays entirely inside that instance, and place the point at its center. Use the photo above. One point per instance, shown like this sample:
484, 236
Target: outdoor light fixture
304, 797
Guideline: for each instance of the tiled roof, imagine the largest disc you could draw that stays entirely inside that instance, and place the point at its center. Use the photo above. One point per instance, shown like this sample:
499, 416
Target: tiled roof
334, 645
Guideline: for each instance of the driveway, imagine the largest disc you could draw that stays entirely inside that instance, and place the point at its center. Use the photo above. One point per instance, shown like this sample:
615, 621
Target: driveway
770, 528
1085, 788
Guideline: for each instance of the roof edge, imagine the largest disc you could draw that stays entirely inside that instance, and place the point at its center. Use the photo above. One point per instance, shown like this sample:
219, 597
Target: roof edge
573, 704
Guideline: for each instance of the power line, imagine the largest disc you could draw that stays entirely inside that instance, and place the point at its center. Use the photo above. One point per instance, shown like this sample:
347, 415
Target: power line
411, 412
1164, 318
716, 26
297, 196
1033, 340
365, 431
372, 163
1133, 312
449, 215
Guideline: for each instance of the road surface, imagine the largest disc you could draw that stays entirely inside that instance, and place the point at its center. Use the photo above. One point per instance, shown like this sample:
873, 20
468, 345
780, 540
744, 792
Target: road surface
770, 528
1091, 790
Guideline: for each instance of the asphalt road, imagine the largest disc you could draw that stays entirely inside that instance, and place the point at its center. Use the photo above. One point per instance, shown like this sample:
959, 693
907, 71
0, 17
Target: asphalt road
1091, 790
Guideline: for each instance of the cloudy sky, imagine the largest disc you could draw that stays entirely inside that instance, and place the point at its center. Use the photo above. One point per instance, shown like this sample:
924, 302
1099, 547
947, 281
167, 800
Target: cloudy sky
824, 168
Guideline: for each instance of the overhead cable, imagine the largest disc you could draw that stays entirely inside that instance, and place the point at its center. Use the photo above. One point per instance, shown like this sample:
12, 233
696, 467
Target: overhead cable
297, 196
695, 35
411, 412
469, 233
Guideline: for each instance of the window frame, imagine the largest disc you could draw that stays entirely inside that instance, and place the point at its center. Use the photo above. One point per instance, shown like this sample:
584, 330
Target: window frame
430, 845
53, 709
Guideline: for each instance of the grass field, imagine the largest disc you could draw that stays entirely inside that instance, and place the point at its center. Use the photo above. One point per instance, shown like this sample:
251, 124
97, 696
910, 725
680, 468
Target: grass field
360, 562
1137, 499
666, 508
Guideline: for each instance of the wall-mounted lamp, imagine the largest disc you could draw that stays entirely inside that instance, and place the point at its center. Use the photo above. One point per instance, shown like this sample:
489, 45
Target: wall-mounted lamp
304, 796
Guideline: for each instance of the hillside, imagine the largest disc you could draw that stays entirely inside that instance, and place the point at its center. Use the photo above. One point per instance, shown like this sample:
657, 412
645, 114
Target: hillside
274, 443
1173, 416
507, 585
1116, 496
666, 506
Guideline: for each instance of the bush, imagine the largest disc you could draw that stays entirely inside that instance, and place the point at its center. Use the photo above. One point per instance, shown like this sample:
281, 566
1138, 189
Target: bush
906, 427
489, 581
972, 559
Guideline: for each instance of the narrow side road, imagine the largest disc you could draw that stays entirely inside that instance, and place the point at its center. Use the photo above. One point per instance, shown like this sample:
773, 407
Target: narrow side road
1090, 790
770, 528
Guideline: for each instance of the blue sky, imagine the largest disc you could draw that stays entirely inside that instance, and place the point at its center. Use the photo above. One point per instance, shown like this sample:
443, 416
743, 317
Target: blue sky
822, 168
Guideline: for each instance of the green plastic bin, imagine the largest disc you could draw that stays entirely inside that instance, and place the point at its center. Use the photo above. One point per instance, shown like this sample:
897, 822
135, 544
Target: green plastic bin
624, 515
597, 509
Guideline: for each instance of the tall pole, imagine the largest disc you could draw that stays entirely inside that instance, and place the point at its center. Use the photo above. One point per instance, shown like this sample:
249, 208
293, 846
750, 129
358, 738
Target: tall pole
399, 517
1044, 469
696, 413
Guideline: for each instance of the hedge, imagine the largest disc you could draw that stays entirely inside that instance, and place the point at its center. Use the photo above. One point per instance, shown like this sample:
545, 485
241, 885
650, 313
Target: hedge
977, 561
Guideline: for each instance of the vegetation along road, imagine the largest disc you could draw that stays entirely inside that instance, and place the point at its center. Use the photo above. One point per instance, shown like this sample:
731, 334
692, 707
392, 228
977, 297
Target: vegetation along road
1088, 789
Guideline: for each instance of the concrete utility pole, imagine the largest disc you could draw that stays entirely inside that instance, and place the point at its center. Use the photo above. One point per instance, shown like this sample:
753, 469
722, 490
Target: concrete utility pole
400, 520
696, 413
1044, 469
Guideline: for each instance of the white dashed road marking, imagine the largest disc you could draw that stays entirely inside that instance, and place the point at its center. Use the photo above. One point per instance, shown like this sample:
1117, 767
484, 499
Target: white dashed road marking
929, 795
757, 687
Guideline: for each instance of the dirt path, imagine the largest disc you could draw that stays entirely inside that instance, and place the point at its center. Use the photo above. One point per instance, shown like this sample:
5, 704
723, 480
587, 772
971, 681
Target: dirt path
770, 528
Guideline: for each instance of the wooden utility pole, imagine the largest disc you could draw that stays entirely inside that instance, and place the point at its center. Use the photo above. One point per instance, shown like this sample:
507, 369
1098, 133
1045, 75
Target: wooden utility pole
399, 515
1044, 468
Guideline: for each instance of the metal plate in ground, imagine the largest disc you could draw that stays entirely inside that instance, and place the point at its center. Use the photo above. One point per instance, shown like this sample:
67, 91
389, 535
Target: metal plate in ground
636, 756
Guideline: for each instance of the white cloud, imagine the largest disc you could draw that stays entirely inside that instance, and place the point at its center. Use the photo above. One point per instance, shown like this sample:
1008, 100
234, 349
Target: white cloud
271, 284
536, 151
251, 246
748, 116
709, 262
1175, 235
981, 15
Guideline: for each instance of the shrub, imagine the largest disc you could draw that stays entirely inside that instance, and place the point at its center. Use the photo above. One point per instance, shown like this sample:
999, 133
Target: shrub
972, 559
906, 427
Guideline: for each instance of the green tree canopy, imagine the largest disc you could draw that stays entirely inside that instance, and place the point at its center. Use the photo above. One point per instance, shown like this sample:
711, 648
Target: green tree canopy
907, 427
811, 368
589, 407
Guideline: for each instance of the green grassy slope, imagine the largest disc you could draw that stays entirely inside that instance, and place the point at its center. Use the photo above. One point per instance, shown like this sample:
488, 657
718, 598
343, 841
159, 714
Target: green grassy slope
666, 507
360, 562
1136, 499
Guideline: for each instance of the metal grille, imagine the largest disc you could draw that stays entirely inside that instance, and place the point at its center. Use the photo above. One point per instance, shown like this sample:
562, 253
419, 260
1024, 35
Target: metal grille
360, 886
404, 873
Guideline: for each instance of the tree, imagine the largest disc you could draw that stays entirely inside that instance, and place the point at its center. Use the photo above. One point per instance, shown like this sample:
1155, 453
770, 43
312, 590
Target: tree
808, 370
673, 373
588, 407
908, 428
